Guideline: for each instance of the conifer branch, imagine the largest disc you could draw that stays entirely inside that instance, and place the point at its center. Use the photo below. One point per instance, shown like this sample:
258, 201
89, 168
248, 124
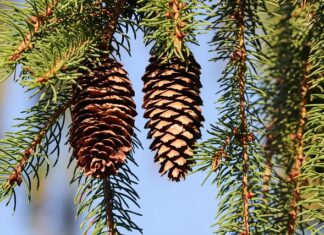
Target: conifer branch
240, 56
221, 151
16, 175
37, 22
175, 7
56, 59
37, 27
108, 193
170, 25
268, 165
22, 152
44, 78
112, 24
299, 156
292, 138
236, 23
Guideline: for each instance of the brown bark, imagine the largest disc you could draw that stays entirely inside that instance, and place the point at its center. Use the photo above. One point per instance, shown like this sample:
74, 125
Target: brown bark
299, 155
241, 73
112, 24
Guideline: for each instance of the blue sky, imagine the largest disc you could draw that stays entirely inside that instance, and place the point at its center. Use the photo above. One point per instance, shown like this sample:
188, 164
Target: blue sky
168, 208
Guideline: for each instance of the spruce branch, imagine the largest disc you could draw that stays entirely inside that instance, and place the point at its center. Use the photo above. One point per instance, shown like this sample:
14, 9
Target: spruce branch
299, 156
114, 20
36, 21
268, 153
171, 25
217, 157
112, 24
25, 25
294, 79
16, 176
175, 13
55, 59
24, 151
240, 56
238, 41
312, 215
276, 105
44, 78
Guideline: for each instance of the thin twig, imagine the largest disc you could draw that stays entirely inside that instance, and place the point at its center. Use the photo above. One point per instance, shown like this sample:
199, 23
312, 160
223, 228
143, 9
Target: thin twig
109, 206
268, 165
45, 77
299, 156
36, 21
221, 151
174, 13
240, 56
16, 175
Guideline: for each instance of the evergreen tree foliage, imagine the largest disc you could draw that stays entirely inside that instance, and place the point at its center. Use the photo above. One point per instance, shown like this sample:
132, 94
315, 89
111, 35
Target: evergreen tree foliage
233, 156
49, 40
294, 141
266, 150
171, 25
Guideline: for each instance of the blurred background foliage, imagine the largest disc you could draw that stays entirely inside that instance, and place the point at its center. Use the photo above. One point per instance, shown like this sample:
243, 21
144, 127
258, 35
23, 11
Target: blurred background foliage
172, 207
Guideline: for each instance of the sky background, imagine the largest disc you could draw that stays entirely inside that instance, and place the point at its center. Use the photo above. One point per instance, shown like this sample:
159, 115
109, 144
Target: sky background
168, 208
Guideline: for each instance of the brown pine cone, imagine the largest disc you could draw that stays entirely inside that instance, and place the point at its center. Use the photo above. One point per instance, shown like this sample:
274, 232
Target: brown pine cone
103, 114
172, 103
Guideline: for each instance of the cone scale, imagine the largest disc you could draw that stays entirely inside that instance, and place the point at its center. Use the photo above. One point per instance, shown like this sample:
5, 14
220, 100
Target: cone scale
172, 105
103, 114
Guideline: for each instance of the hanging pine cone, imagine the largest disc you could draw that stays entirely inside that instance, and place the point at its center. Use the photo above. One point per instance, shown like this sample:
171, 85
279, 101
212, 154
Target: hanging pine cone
172, 103
103, 114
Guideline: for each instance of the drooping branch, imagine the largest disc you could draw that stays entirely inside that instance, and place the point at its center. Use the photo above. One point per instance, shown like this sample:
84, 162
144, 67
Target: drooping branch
16, 176
240, 56
236, 23
37, 22
299, 155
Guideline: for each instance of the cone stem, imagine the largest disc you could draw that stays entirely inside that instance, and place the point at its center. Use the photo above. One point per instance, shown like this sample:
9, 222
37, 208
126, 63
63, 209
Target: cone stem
111, 26
109, 206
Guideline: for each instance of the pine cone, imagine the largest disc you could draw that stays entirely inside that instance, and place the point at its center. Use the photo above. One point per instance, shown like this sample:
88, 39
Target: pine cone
103, 114
172, 103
